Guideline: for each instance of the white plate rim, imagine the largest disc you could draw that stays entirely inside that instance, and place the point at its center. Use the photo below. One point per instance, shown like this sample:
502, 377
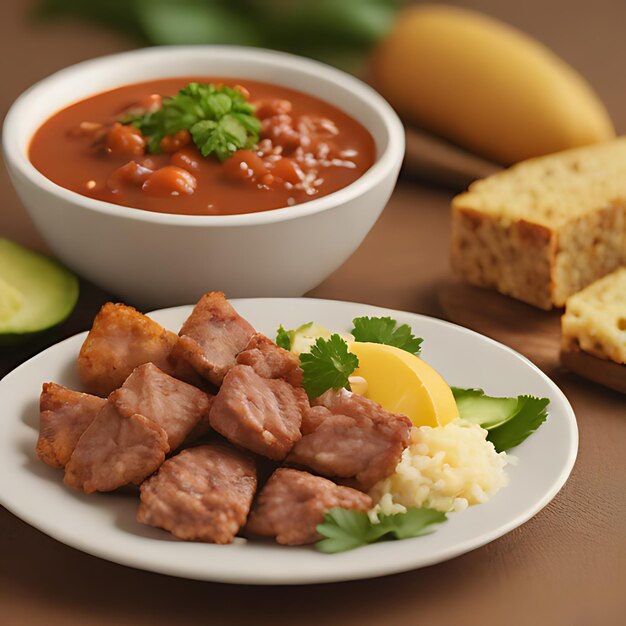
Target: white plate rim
289, 578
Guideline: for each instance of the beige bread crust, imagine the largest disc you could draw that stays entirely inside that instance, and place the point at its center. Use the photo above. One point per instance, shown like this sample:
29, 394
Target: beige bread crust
545, 228
589, 247
514, 258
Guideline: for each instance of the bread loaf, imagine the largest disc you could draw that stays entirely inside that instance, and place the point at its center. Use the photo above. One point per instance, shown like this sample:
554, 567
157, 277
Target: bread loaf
545, 228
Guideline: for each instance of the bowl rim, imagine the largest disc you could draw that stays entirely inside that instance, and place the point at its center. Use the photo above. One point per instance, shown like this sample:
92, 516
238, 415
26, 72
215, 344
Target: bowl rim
385, 163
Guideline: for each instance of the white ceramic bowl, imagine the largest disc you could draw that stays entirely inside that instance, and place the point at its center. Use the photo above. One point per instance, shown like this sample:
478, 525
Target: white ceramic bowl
156, 260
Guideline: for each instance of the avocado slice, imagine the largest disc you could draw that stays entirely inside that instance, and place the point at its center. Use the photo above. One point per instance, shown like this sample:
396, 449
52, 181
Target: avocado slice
488, 412
36, 292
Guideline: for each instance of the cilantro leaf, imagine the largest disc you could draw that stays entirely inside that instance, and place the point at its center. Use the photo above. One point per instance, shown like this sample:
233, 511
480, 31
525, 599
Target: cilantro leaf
284, 338
346, 529
222, 138
327, 366
413, 523
219, 118
385, 330
509, 421
529, 415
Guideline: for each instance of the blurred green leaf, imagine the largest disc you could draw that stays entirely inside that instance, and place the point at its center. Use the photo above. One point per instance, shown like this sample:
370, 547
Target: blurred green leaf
194, 22
339, 32
118, 14
328, 22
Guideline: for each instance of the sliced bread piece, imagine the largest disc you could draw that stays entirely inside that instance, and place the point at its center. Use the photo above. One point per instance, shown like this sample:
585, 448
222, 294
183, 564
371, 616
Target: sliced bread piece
545, 228
593, 331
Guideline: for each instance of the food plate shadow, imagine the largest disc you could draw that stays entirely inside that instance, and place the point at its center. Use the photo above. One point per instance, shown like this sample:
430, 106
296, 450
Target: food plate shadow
30, 417
125, 521
34, 466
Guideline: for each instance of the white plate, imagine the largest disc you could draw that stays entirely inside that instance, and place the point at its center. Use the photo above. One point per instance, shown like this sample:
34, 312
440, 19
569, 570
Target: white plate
104, 525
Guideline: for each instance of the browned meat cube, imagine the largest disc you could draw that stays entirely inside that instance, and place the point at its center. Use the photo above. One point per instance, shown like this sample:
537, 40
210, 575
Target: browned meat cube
213, 335
172, 404
120, 339
201, 494
351, 437
270, 360
64, 417
115, 451
293, 503
259, 414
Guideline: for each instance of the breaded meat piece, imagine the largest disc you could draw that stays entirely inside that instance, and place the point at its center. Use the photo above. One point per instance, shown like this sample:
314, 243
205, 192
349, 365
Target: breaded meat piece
64, 417
348, 436
293, 503
259, 414
212, 337
172, 404
120, 339
201, 494
115, 451
271, 361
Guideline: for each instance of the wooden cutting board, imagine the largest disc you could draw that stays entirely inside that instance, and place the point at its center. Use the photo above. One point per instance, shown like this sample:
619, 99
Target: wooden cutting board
534, 333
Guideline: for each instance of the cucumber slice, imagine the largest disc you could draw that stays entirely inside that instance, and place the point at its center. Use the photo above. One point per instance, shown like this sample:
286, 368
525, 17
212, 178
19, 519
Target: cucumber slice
36, 292
488, 412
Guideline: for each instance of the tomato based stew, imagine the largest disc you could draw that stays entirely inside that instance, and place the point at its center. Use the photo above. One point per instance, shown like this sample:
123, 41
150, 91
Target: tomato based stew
221, 146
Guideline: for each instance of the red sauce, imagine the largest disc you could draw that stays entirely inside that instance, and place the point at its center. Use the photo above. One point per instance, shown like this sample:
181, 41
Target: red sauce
308, 149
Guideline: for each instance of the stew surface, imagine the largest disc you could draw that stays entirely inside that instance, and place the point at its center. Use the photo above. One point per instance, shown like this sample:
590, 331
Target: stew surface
306, 148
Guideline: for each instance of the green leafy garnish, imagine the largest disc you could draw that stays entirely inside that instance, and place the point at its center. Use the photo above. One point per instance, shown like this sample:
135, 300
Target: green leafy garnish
327, 366
285, 338
386, 330
345, 529
219, 118
509, 421
529, 415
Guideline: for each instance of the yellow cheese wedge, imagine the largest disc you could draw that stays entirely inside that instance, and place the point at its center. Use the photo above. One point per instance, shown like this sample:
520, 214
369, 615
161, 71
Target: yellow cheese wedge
402, 383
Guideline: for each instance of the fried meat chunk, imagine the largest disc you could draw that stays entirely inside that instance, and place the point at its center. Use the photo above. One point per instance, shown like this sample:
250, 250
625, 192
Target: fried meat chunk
259, 414
173, 405
350, 437
201, 494
64, 417
271, 361
293, 503
212, 337
120, 339
115, 451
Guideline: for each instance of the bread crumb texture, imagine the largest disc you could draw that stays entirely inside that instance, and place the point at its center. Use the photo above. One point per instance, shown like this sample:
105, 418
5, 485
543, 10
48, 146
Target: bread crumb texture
595, 319
545, 228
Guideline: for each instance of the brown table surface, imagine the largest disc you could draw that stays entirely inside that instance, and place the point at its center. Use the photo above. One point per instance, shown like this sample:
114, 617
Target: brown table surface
565, 566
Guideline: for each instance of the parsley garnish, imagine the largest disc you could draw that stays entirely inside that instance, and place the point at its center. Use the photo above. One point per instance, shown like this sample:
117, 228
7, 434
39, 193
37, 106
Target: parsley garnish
529, 415
219, 118
327, 366
509, 421
345, 529
385, 330
284, 338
